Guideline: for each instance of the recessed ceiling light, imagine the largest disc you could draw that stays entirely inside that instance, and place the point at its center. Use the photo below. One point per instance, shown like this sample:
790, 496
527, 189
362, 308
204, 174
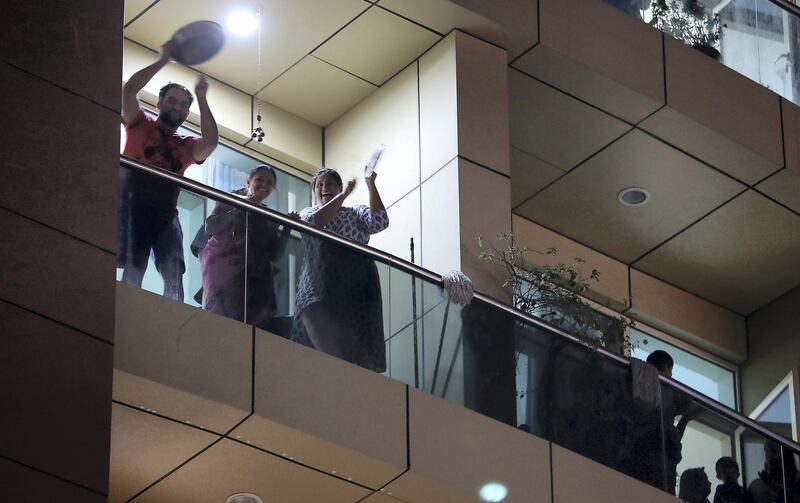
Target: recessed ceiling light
633, 196
244, 498
493, 492
242, 22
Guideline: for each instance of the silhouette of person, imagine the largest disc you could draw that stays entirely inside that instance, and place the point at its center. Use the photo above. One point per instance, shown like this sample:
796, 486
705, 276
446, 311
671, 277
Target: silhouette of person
730, 491
695, 486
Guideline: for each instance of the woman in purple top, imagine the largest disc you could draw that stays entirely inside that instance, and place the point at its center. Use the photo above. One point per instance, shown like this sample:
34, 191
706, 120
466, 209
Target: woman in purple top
238, 239
339, 305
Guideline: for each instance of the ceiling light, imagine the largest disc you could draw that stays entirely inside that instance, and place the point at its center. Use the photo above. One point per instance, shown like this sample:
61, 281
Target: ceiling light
242, 22
493, 491
244, 498
633, 196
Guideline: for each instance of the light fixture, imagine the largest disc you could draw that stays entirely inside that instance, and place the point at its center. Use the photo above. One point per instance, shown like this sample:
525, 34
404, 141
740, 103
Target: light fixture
244, 498
633, 196
493, 492
242, 22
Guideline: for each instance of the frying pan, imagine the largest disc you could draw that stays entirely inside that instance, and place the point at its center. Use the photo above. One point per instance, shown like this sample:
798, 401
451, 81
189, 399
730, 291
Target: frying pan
197, 42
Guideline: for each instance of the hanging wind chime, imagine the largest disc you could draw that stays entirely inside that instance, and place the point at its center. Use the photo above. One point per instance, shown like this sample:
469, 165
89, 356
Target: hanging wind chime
258, 132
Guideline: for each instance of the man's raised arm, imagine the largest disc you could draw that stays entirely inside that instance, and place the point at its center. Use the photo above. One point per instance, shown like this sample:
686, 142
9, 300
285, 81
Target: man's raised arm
206, 144
137, 81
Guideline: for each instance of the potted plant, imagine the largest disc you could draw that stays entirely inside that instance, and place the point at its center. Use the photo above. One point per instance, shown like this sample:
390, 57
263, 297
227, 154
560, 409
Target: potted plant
555, 293
689, 22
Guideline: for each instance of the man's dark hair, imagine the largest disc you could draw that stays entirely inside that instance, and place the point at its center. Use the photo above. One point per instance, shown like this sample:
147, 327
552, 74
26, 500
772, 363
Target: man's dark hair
164, 90
661, 360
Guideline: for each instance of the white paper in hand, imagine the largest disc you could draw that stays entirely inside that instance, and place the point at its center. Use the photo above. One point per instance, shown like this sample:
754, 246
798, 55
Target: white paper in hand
373, 160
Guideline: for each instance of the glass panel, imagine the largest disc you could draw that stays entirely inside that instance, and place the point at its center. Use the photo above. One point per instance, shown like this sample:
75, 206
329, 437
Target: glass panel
778, 414
702, 445
582, 400
700, 374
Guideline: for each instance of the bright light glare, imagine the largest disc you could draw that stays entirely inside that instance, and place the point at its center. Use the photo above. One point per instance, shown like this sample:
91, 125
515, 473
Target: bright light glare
493, 492
242, 22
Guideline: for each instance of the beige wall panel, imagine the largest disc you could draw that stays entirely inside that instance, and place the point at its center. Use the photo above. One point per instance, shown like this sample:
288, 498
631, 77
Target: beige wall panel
482, 84
404, 223
440, 248
708, 145
185, 348
506, 23
45, 271
55, 398
477, 183
377, 45
134, 8
555, 127
152, 396
774, 346
63, 180
381, 498
529, 174
24, 485
438, 106
698, 322
330, 457
611, 290
145, 447
784, 187
454, 452
718, 98
76, 46
608, 94
791, 135
623, 57
576, 478
316, 91
230, 467
388, 116
302, 389
741, 256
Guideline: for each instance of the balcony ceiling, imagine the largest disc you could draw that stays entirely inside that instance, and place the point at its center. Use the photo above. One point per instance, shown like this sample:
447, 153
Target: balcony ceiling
728, 235
318, 57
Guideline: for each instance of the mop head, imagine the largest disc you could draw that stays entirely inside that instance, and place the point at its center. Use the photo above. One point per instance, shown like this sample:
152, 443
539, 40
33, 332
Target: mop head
458, 287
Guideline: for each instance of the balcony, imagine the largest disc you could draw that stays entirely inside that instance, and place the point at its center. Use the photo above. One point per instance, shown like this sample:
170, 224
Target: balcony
206, 406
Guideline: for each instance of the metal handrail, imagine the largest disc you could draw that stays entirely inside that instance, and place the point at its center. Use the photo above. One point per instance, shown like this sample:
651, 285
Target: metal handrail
416, 270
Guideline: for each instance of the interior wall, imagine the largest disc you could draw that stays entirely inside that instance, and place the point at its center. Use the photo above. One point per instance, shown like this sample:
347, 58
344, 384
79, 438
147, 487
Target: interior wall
774, 346
60, 92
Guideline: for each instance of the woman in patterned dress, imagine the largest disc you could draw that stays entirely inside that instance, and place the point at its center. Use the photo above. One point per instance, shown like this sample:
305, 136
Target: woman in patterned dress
339, 307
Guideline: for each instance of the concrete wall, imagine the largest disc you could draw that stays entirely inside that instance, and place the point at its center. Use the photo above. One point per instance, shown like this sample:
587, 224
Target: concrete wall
774, 345
60, 93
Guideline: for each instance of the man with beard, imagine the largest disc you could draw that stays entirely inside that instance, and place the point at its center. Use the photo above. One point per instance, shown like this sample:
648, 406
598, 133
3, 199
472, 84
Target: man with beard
148, 215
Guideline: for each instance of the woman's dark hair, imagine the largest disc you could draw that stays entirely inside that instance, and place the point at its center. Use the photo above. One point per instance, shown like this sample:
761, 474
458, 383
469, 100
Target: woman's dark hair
263, 167
325, 172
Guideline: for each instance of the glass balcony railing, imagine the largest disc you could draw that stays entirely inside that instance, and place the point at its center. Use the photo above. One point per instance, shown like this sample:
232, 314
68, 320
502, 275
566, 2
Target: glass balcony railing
758, 38
484, 356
